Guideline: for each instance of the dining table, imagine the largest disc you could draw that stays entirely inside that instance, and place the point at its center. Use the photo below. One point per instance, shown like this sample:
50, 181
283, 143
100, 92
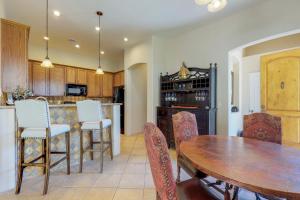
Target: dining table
261, 167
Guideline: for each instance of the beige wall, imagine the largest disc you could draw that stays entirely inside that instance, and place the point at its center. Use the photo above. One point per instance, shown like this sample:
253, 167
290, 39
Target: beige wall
77, 58
273, 45
212, 42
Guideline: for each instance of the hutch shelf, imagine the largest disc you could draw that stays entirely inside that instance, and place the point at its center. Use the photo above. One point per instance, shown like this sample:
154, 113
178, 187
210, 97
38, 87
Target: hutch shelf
195, 94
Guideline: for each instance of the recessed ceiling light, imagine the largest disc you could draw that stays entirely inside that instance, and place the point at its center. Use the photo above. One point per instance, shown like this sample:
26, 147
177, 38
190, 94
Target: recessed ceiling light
77, 46
216, 5
97, 28
56, 13
125, 39
102, 52
46, 38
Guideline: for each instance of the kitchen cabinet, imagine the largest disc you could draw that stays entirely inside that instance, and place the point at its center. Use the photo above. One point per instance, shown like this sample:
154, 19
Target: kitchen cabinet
57, 81
14, 55
81, 76
119, 79
40, 79
107, 90
71, 75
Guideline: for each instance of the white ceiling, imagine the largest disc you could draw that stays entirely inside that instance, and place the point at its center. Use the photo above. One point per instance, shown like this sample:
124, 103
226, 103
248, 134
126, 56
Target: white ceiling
135, 19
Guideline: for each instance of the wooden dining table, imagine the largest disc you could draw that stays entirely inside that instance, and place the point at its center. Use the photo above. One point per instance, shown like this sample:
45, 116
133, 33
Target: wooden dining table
262, 167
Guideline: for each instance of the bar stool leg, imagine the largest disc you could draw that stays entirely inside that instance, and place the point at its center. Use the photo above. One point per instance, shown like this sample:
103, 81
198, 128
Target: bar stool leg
67, 140
81, 151
101, 148
91, 144
47, 166
44, 154
111, 144
20, 167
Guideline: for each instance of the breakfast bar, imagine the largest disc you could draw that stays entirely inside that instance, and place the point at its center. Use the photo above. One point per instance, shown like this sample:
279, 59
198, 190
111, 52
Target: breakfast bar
60, 114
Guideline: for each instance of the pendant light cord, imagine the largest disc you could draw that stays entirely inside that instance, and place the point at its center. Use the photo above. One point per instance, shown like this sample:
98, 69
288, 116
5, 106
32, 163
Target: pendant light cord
47, 28
99, 42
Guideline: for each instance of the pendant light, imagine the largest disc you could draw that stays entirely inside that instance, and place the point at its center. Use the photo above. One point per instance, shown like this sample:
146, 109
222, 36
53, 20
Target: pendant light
213, 5
99, 69
47, 62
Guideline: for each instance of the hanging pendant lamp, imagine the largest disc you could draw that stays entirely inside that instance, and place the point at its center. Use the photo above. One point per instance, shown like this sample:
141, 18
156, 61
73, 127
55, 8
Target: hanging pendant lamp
47, 62
99, 69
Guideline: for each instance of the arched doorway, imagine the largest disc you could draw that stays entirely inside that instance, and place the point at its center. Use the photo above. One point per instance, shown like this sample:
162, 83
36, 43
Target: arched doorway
136, 98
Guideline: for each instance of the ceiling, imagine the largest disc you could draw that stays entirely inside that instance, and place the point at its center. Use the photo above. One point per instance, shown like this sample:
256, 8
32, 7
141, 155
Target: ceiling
135, 19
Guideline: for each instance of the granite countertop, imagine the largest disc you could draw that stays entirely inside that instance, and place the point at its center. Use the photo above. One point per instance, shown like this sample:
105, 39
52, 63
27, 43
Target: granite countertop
61, 105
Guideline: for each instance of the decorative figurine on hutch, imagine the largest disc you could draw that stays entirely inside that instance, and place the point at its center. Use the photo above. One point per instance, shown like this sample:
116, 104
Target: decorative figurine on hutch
184, 72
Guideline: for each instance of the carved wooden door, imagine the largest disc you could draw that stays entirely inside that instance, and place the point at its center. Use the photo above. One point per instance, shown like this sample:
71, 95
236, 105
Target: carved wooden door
280, 91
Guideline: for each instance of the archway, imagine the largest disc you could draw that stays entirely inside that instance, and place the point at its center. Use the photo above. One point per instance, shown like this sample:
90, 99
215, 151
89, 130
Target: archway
136, 98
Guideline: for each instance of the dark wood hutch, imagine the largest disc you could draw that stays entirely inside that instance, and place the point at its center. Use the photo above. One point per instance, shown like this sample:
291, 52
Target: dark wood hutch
195, 94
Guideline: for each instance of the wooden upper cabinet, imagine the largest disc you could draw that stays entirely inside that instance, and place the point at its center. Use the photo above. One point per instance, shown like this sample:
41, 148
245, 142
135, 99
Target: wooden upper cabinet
40, 79
99, 85
71, 75
14, 55
81, 76
119, 79
57, 81
107, 88
91, 83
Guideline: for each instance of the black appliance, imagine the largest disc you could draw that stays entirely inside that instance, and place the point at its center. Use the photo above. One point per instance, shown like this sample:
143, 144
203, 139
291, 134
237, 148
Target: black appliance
76, 90
119, 98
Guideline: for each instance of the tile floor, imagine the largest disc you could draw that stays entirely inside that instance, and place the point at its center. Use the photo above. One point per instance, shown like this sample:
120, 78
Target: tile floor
127, 177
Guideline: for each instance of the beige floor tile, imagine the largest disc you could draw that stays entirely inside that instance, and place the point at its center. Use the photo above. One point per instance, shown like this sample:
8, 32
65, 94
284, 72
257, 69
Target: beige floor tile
149, 181
137, 159
135, 168
149, 194
129, 194
132, 181
100, 194
81, 180
108, 180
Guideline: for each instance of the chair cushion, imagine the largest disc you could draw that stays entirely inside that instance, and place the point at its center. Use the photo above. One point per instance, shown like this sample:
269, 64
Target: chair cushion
193, 189
55, 130
95, 125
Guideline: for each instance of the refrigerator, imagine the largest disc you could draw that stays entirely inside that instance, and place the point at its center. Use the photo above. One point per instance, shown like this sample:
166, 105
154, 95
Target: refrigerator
119, 97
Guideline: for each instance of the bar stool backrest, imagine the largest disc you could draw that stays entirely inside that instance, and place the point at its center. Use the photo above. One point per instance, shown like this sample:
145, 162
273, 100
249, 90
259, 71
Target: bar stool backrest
89, 111
32, 114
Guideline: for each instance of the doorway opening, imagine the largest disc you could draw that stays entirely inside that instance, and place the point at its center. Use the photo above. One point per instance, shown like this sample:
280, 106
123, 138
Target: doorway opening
136, 98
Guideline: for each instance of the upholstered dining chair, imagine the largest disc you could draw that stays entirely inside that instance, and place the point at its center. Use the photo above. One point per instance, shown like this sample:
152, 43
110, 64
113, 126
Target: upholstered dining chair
161, 168
265, 127
185, 128
33, 119
91, 120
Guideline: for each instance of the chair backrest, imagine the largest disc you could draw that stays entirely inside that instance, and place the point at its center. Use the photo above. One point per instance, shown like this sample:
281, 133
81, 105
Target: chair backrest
32, 114
263, 126
184, 128
89, 111
160, 162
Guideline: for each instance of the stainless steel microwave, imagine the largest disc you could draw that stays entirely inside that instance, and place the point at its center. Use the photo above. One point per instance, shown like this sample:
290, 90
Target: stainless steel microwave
76, 90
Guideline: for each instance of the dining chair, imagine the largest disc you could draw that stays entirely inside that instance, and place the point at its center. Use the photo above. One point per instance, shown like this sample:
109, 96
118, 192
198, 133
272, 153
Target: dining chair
185, 128
265, 127
161, 168
91, 119
33, 119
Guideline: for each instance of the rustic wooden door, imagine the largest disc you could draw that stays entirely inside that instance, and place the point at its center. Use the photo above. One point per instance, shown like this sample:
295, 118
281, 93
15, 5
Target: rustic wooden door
280, 91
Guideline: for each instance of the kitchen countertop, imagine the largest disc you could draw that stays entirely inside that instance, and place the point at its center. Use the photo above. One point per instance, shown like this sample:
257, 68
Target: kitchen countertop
62, 105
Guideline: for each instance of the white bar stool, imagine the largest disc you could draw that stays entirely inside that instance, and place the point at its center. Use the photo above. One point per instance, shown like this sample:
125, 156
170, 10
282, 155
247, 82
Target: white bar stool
33, 118
91, 119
